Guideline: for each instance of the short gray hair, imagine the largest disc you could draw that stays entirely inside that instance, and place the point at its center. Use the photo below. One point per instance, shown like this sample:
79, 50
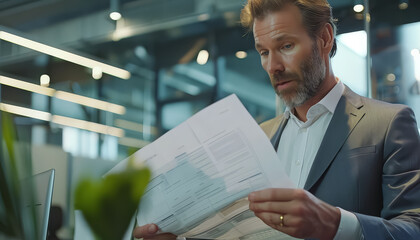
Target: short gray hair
315, 13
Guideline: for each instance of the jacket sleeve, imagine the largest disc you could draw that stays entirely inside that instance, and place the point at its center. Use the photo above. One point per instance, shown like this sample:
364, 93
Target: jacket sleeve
400, 215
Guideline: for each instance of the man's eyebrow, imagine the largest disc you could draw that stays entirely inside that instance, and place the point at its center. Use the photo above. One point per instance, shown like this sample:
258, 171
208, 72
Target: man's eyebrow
279, 38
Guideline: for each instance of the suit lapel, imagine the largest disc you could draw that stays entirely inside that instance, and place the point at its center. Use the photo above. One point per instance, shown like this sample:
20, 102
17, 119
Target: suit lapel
348, 113
276, 137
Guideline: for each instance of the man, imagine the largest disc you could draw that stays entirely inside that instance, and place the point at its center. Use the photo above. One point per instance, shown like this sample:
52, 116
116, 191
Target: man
356, 161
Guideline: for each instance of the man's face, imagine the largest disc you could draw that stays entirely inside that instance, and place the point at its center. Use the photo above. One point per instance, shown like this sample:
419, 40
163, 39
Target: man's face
289, 56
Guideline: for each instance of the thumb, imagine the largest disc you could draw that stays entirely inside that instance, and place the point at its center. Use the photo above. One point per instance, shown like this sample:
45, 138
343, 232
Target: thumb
145, 230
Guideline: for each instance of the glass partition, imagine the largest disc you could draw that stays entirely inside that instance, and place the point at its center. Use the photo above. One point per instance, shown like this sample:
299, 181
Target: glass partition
395, 44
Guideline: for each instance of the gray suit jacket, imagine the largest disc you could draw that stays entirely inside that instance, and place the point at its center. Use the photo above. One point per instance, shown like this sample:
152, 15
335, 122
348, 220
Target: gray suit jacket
368, 163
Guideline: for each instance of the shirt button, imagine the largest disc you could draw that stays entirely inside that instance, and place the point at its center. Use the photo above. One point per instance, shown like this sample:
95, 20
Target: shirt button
298, 163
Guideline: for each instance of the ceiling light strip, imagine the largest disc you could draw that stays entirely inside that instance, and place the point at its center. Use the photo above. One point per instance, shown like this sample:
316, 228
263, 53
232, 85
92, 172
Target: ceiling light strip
91, 126
132, 142
68, 56
70, 97
26, 86
66, 121
90, 102
133, 126
26, 112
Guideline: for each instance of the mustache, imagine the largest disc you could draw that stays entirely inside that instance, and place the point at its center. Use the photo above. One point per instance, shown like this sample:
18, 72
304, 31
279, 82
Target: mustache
283, 76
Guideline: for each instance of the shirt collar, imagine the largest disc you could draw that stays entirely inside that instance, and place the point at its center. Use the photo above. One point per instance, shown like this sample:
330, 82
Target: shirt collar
330, 100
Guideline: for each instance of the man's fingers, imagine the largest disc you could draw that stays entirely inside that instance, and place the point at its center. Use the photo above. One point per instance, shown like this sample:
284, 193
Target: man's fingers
272, 219
289, 225
146, 230
149, 232
276, 207
273, 194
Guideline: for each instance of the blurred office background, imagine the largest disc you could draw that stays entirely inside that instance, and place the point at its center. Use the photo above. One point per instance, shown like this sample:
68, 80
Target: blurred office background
168, 59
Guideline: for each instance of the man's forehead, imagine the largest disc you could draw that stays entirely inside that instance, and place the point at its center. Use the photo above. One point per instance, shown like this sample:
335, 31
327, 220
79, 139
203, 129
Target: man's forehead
286, 20
272, 30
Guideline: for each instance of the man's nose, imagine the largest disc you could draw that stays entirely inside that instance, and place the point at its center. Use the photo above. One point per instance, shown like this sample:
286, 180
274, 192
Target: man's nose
275, 64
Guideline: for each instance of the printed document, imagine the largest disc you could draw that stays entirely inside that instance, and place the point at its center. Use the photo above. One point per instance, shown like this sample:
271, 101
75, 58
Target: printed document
202, 171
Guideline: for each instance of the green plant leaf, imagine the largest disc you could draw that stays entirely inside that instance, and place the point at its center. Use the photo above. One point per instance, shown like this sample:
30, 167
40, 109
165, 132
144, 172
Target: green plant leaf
108, 204
16, 220
9, 136
9, 180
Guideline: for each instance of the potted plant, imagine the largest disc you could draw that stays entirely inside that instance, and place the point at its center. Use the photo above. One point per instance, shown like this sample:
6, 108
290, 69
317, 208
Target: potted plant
109, 204
17, 221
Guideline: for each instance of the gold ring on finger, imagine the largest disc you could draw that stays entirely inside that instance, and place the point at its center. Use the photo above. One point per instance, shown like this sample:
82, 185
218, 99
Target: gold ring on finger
281, 220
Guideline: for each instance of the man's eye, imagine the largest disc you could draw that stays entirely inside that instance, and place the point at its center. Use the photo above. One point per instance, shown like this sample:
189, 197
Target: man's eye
263, 53
288, 46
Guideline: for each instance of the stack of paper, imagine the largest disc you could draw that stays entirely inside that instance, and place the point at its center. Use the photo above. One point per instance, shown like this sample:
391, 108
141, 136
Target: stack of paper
202, 172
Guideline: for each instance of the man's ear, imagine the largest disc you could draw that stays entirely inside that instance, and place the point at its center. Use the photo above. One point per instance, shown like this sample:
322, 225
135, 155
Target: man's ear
326, 39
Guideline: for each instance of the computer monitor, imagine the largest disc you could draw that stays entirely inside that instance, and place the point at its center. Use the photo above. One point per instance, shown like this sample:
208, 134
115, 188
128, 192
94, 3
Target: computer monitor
43, 185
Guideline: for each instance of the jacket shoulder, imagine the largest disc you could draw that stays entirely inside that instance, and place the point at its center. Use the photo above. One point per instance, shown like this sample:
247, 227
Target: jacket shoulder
373, 105
270, 126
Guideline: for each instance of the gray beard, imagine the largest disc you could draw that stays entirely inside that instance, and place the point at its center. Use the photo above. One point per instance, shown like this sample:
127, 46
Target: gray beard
313, 71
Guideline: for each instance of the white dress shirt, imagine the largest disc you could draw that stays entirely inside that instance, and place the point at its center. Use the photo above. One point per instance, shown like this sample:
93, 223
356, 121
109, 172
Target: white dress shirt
299, 144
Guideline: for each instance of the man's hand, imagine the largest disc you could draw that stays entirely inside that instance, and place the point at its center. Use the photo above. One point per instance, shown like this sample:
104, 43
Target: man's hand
303, 215
149, 232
